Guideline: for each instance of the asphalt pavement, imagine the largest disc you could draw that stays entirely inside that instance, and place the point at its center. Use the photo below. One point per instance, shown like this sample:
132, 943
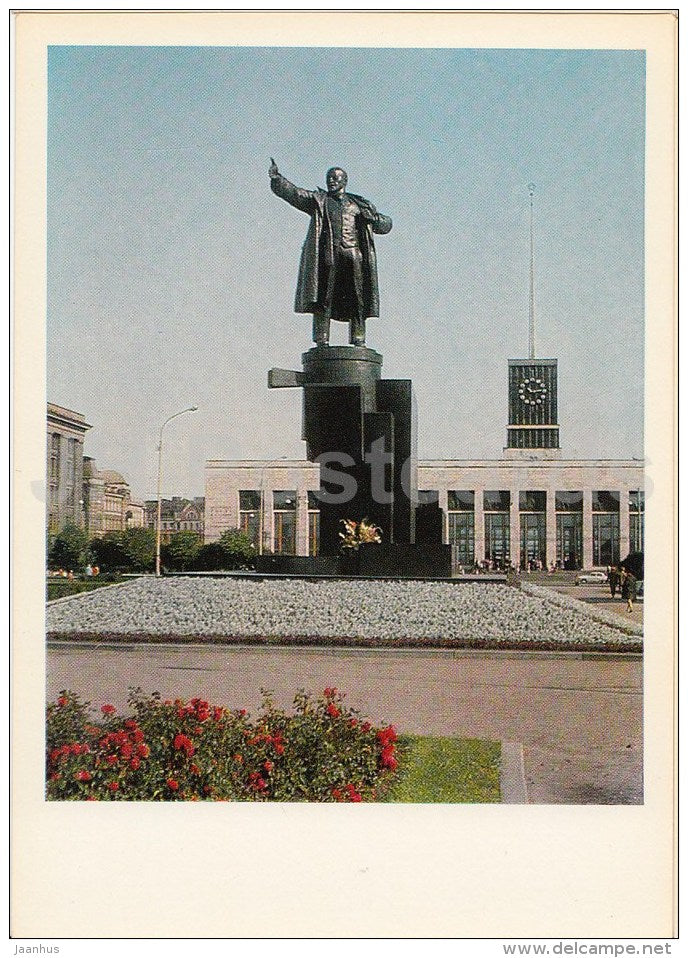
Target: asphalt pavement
577, 717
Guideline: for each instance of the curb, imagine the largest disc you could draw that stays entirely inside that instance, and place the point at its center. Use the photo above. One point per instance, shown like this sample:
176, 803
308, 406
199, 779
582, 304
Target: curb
512, 775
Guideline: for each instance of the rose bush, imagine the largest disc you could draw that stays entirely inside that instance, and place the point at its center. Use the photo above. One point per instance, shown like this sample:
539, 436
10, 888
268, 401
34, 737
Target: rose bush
174, 750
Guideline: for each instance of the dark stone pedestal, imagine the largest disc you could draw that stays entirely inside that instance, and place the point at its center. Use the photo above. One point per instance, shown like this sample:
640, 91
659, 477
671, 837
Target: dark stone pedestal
362, 430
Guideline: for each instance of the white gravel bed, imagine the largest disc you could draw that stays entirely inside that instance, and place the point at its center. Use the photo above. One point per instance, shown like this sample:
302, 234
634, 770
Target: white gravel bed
385, 610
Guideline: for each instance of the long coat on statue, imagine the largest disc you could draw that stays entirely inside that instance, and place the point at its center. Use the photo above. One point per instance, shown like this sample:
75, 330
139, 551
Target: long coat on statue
318, 251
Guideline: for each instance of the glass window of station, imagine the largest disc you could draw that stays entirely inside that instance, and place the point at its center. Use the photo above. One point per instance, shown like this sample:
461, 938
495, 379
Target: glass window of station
605, 527
284, 517
532, 506
496, 506
313, 524
569, 510
461, 520
636, 520
250, 515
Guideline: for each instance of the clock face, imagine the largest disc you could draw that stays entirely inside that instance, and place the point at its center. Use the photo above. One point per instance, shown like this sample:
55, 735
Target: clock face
532, 391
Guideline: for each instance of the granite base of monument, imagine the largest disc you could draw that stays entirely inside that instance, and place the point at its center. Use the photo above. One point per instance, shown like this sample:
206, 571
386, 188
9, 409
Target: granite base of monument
386, 560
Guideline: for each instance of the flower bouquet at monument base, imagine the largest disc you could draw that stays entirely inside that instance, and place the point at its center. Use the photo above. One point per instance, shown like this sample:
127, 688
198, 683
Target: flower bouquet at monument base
356, 534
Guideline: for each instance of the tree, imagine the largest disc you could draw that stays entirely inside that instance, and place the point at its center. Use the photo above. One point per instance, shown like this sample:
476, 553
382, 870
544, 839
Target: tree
69, 548
132, 550
181, 551
108, 552
239, 549
139, 548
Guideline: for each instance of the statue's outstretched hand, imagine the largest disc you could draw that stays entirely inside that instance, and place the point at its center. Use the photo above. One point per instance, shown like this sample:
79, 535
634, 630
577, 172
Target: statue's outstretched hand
273, 171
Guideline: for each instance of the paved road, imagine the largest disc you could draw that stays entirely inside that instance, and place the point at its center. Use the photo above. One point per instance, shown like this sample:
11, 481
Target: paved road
579, 719
596, 594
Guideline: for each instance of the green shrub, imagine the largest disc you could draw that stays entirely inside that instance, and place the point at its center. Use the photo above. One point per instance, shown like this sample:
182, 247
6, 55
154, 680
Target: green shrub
233, 550
191, 751
239, 549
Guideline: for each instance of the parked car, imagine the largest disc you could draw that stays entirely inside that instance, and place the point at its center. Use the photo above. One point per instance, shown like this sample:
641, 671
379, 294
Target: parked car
592, 576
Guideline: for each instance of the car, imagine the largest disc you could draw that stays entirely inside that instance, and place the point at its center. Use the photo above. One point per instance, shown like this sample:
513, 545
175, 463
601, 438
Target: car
593, 576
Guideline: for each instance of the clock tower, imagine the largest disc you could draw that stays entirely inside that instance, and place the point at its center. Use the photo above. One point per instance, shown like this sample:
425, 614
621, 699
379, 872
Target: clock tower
532, 430
533, 421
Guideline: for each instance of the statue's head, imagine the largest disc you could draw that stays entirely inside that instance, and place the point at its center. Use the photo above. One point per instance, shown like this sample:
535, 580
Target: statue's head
336, 179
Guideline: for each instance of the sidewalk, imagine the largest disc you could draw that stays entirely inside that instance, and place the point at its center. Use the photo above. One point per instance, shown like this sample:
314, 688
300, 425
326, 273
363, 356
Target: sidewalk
579, 719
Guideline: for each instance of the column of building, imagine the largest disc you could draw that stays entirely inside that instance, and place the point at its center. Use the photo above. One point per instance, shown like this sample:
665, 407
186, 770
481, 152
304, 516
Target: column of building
624, 522
268, 506
514, 529
551, 527
479, 525
587, 528
302, 522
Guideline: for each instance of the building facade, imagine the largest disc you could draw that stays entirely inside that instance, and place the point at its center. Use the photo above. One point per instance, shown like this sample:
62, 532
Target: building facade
108, 503
530, 513
64, 466
176, 515
272, 501
530, 509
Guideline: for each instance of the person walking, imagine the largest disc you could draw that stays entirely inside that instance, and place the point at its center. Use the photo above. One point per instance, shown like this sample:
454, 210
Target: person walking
629, 590
613, 580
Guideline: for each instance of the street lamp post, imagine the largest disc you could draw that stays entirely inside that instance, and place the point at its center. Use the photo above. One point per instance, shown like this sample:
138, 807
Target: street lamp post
159, 519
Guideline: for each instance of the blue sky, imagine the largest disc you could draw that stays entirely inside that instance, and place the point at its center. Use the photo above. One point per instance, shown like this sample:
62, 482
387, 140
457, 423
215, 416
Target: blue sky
172, 267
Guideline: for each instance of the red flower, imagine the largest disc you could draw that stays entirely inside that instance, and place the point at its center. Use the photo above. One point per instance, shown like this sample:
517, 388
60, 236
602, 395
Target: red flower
185, 743
173, 784
330, 693
126, 750
238, 758
111, 759
62, 701
353, 722
83, 776
387, 735
130, 723
194, 769
268, 766
135, 762
241, 713
137, 736
332, 710
337, 794
279, 748
113, 786
54, 777
218, 713
387, 759
143, 751
107, 709
366, 727
92, 798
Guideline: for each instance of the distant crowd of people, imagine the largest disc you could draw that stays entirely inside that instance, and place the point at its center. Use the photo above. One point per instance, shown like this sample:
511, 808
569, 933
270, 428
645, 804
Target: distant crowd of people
90, 570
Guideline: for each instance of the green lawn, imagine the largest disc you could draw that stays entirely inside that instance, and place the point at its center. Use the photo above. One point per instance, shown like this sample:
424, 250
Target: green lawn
58, 588
446, 770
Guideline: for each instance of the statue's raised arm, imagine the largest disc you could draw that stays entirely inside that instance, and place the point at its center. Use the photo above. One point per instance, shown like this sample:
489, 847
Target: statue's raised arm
280, 185
338, 270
